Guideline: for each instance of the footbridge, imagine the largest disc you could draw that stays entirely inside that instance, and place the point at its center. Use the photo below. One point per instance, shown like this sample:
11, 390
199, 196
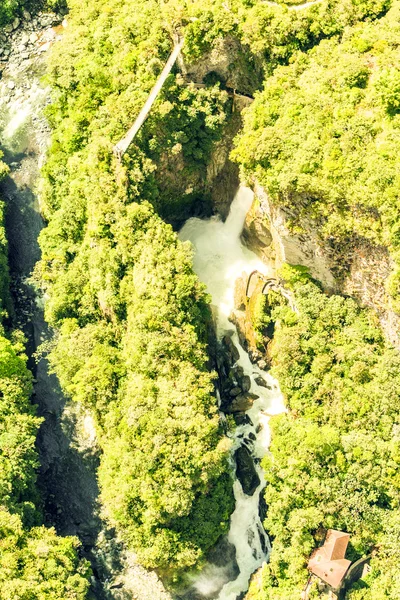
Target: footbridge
122, 146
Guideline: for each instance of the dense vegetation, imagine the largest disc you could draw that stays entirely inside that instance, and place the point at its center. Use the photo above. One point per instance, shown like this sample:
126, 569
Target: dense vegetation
34, 562
133, 319
335, 455
269, 34
323, 138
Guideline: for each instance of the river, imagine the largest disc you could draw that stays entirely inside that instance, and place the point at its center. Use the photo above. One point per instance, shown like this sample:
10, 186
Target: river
219, 259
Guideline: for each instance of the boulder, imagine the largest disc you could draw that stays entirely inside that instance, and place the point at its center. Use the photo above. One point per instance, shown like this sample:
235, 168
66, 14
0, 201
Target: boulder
238, 372
256, 233
261, 382
240, 299
242, 419
241, 403
262, 506
246, 471
231, 349
245, 383
235, 391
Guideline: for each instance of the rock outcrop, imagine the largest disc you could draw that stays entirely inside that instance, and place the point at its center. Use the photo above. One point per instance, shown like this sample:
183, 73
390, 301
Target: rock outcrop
246, 471
226, 61
23, 42
208, 188
268, 234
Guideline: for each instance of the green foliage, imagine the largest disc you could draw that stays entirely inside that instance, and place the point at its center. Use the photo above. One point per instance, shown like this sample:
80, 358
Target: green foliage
18, 428
10, 9
271, 33
334, 455
323, 138
34, 562
132, 317
5, 303
39, 565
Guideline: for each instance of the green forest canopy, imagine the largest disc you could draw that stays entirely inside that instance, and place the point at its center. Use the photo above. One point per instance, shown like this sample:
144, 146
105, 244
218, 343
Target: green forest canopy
323, 138
133, 320
34, 562
335, 454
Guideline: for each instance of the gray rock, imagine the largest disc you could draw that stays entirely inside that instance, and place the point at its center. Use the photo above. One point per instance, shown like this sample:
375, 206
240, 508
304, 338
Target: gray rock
16, 24
246, 471
242, 419
245, 383
261, 382
235, 391
11, 85
33, 38
231, 348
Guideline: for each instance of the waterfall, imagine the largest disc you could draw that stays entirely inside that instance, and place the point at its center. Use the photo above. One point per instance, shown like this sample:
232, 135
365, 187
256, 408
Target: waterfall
219, 259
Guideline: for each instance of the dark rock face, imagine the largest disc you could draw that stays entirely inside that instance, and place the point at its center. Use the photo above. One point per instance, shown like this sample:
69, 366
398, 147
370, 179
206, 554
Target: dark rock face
261, 382
246, 383
245, 470
235, 391
256, 234
242, 419
262, 506
230, 348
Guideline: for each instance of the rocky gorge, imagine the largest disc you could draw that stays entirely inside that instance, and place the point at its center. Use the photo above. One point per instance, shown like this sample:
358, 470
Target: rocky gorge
68, 447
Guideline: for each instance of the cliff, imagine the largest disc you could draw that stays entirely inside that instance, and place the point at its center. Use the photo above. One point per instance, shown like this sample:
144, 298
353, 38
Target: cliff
358, 269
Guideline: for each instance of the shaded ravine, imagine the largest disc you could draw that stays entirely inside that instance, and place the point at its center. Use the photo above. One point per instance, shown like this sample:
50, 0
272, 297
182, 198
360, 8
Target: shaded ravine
67, 476
220, 258
66, 443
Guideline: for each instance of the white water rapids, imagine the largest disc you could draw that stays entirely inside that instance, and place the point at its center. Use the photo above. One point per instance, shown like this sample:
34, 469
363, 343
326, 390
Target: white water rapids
219, 259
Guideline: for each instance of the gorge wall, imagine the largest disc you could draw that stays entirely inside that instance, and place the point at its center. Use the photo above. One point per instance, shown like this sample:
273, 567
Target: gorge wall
359, 269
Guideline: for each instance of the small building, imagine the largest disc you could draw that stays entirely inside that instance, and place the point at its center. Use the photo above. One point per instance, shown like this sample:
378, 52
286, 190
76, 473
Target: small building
328, 562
